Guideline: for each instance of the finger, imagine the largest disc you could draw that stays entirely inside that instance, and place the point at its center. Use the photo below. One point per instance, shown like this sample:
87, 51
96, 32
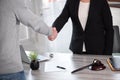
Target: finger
54, 28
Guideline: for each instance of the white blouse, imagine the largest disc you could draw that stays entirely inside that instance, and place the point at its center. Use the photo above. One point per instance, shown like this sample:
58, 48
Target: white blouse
83, 15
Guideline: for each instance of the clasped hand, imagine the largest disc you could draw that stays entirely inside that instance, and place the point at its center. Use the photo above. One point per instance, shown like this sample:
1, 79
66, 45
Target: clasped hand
54, 34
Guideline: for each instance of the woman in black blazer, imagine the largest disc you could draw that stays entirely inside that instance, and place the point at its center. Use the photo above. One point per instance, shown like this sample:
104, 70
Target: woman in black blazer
98, 33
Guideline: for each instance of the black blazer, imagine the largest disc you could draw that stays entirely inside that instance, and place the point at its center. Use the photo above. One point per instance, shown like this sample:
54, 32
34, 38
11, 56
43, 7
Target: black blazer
98, 33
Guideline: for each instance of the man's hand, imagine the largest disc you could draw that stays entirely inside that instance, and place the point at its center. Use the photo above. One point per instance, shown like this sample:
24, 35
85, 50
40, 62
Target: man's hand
54, 34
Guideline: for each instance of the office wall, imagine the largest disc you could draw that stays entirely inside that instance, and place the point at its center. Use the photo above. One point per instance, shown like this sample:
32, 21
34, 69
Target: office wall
116, 16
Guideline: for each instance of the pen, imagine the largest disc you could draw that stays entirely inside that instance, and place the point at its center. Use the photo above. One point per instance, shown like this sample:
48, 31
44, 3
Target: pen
61, 67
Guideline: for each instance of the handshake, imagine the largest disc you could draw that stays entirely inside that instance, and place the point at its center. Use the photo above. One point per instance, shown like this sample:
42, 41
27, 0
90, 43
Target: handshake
53, 35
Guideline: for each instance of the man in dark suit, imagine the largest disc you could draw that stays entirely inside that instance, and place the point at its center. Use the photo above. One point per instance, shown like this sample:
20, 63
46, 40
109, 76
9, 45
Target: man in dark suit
97, 34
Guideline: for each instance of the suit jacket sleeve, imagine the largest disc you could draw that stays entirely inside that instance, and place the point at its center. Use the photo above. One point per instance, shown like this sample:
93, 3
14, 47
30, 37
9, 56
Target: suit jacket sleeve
63, 18
107, 20
25, 16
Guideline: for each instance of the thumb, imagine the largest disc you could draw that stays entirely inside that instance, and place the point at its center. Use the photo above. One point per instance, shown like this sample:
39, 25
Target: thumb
54, 28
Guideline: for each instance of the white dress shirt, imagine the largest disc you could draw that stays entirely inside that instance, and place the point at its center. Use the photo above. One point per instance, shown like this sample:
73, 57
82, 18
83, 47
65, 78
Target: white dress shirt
83, 15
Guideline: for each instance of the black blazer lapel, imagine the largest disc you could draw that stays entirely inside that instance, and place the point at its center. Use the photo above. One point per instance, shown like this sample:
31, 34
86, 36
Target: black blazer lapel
76, 12
89, 14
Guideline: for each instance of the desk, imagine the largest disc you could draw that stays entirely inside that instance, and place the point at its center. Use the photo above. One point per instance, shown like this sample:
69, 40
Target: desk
48, 70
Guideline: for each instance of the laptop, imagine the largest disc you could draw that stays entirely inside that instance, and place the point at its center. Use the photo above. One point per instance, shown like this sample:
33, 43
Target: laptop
26, 59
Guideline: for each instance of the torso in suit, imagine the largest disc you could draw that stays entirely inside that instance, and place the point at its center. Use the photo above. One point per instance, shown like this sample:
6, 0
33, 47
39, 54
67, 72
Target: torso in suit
98, 33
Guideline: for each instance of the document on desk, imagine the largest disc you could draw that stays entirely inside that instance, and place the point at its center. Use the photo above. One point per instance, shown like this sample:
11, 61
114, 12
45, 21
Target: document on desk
51, 67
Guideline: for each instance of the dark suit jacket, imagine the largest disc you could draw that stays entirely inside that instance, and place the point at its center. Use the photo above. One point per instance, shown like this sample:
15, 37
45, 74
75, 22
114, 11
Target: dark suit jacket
98, 33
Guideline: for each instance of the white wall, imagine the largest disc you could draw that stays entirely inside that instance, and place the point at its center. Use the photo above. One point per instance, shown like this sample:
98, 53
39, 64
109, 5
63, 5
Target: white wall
116, 16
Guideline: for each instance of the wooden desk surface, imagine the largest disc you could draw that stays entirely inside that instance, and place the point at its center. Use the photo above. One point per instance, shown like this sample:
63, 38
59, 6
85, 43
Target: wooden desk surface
49, 71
